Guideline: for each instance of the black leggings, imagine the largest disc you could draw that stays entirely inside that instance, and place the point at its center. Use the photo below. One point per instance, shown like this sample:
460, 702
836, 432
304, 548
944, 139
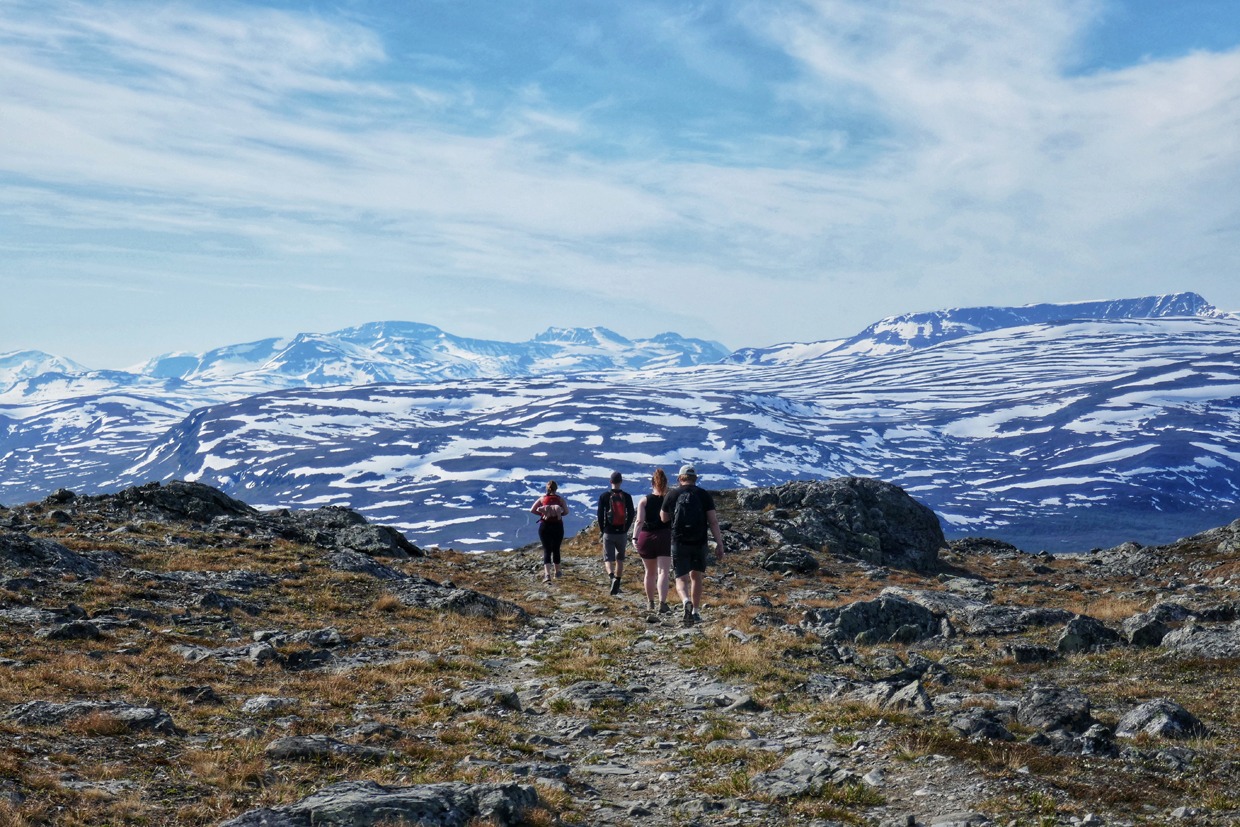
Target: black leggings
551, 534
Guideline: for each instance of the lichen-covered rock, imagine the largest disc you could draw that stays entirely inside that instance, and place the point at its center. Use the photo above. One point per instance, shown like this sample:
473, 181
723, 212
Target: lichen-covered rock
589, 694
367, 804
887, 618
178, 499
125, 716
322, 748
790, 558
1205, 640
20, 552
1085, 634
1161, 718
1051, 708
857, 517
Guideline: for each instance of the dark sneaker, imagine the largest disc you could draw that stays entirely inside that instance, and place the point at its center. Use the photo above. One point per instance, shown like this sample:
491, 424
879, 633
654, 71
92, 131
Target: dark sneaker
697, 618
650, 605
615, 585
664, 609
688, 621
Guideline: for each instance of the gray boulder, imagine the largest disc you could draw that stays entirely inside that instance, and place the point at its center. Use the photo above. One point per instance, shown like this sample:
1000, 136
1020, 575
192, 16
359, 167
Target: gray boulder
360, 563
1050, 708
981, 723
268, 705
126, 717
377, 541
589, 694
886, 618
1215, 641
1161, 718
487, 695
424, 593
790, 558
22, 553
1085, 634
857, 517
980, 617
911, 698
73, 630
177, 500
802, 772
367, 804
322, 748
1144, 630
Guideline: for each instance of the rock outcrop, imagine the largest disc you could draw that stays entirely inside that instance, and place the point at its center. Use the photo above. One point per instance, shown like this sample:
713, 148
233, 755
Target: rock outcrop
859, 517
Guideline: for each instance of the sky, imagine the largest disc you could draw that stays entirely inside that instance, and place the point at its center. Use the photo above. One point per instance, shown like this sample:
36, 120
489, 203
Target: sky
179, 176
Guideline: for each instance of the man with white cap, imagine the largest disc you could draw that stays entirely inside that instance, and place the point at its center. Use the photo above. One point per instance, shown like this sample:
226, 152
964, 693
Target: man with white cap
691, 512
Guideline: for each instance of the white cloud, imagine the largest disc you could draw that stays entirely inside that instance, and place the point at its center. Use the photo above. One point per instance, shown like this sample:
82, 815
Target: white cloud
902, 156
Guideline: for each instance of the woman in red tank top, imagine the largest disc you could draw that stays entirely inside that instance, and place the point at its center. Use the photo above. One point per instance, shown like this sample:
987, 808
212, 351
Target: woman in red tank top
550, 508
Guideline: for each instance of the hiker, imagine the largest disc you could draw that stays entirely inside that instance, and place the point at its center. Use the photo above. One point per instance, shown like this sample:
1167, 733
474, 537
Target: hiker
615, 517
653, 540
550, 508
691, 512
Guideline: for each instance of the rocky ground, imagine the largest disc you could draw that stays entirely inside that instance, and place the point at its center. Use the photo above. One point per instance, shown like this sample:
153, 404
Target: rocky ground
171, 656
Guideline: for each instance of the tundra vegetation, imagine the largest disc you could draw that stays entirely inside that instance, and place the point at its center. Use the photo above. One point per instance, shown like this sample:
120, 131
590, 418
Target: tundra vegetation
172, 656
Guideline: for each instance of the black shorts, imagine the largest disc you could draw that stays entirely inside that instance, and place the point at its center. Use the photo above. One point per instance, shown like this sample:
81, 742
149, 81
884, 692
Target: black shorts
687, 557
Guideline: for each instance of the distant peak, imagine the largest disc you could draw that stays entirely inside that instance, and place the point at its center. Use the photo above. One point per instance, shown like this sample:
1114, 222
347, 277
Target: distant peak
579, 336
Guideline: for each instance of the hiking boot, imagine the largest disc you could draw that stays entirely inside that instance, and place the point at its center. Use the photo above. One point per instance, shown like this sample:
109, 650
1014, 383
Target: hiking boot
650, 605
697, 618
688, 620
664, 608
615, 585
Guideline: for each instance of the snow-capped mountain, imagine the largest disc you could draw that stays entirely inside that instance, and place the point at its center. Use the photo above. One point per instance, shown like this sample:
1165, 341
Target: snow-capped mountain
411, 352
912, 331
20, 365
1079, 429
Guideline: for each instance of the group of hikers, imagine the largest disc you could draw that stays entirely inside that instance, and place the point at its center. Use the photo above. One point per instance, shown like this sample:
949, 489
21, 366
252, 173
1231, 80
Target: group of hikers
670, 529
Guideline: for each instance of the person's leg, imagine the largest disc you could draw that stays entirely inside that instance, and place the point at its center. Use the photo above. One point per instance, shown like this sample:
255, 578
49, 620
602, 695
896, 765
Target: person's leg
651, 581
609, 558
695, 588
663, 567
557, 540
544, 534
682, 566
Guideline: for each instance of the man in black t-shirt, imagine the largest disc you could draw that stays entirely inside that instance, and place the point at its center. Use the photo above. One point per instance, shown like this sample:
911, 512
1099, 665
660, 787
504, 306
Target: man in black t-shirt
691, 512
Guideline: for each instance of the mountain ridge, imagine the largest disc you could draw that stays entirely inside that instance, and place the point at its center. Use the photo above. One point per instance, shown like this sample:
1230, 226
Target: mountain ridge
911, 331
1079, 430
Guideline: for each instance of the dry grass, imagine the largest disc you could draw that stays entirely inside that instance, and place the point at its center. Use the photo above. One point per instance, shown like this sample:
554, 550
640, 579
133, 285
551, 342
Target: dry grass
1107, 608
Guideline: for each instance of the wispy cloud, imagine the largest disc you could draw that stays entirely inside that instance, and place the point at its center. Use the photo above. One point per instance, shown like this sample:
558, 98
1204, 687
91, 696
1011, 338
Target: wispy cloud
851, 157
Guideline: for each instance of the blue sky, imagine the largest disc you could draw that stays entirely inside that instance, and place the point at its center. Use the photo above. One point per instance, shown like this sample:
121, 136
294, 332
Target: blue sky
180, 176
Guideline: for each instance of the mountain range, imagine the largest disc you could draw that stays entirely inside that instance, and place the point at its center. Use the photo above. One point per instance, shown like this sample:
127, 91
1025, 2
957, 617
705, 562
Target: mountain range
1058, 426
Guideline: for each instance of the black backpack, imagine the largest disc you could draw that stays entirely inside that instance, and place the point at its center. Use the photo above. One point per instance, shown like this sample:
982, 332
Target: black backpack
689, 517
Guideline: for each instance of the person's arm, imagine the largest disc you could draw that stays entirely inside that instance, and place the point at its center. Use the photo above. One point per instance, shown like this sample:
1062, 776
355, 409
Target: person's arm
664, 515
602, 512
713, 520
629, 512
641, 517
536, 508
563, 504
